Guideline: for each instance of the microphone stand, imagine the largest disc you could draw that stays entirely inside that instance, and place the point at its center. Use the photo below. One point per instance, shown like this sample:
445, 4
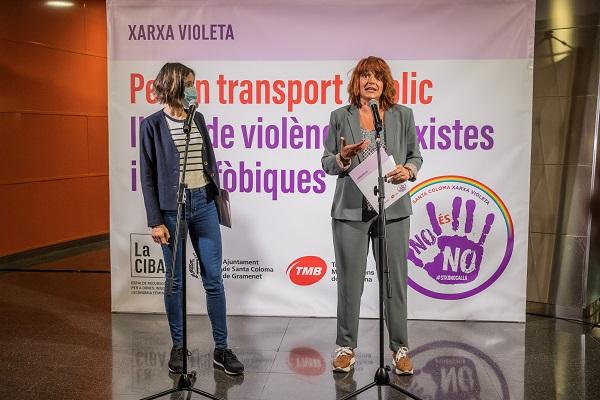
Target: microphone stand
382, 376
186, 379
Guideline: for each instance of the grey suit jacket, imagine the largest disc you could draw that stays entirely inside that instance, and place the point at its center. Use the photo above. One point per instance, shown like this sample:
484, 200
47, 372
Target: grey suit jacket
401, 141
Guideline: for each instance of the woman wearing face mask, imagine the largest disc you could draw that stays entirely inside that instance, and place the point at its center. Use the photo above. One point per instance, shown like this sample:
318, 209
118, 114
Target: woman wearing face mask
162, 143
354, 222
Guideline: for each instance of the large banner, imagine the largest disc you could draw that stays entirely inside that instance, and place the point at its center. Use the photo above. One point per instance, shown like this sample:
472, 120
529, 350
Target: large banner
268, 74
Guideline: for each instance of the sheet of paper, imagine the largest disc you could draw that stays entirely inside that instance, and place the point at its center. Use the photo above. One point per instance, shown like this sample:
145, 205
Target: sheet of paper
365, 176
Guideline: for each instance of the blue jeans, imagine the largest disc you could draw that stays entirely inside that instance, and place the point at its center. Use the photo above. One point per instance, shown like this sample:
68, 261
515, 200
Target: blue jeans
205, 233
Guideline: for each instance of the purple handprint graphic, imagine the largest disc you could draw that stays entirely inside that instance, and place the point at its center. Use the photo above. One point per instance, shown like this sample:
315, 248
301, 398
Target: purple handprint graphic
447, 378
455, 378
453, 370
455, 258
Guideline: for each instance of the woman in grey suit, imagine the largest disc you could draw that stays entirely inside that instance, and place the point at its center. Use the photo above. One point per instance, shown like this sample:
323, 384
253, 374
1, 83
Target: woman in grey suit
354, 222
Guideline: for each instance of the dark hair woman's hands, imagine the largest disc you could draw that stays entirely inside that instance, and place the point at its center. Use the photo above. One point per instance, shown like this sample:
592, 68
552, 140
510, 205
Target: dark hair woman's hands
160, 234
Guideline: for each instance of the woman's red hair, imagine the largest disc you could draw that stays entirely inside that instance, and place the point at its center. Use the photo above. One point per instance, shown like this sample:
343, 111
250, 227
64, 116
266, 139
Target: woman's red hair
378, 67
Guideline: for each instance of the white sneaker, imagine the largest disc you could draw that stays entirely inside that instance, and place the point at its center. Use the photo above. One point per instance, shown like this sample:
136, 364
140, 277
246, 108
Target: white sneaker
344, 359
402, 364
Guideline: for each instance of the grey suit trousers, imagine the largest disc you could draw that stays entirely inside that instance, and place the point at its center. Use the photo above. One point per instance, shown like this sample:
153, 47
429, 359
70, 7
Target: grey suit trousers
351, 242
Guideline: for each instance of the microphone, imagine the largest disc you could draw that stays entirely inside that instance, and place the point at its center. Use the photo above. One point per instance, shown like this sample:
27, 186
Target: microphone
376, 117
187, 123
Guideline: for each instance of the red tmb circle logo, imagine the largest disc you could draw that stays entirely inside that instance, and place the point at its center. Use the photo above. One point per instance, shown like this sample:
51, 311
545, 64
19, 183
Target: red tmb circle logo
306, 361
307, 270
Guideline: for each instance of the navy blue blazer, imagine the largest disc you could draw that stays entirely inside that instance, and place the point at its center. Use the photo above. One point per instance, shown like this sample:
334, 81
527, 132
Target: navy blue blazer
159, 165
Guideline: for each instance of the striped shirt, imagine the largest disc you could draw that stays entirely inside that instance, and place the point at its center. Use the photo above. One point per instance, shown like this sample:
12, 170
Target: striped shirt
195, 176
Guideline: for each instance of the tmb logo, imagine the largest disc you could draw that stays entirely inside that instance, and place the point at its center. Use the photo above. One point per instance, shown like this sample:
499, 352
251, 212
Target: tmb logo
306, 361
307, 270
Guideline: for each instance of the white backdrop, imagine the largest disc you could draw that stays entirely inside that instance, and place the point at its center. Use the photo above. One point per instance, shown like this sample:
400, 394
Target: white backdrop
464, 67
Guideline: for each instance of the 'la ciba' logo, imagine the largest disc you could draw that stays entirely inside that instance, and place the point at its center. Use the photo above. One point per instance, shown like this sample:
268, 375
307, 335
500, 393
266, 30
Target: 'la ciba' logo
461, 239
146, 257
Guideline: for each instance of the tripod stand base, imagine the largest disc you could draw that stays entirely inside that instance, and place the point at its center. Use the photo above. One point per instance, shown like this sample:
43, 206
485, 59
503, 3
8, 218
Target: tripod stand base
185, 383
382, 378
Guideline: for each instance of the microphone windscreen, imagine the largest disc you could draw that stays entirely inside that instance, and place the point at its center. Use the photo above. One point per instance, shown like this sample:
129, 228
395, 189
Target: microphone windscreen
373, 102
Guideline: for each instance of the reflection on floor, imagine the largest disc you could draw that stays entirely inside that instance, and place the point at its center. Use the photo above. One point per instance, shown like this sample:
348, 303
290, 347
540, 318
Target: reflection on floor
60, 341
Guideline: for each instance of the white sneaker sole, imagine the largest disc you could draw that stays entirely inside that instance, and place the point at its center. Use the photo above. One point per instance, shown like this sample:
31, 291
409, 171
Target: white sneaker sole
348, 368
175, 372
218, 364
399, 372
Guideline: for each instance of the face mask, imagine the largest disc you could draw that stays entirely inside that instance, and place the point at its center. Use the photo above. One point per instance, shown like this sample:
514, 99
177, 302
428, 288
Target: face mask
189, 96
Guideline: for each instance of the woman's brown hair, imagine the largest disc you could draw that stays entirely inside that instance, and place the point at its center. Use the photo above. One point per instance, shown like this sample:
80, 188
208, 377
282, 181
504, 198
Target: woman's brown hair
170, 83
378, 67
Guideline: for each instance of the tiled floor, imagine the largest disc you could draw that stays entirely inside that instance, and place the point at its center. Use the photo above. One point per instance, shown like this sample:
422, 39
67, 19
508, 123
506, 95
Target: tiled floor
60, 341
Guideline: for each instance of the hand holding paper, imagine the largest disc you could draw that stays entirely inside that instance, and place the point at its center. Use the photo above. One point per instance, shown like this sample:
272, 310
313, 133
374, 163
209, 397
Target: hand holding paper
365, 175
398, 175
